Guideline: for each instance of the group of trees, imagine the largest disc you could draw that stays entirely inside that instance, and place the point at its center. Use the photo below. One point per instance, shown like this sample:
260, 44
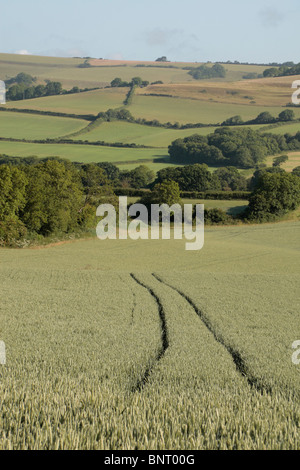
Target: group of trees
289, 68
275, 194
49, 197
198, 178
22, 92
265, 117
21, 87
204, 72
54, 196
135, 81
242, 148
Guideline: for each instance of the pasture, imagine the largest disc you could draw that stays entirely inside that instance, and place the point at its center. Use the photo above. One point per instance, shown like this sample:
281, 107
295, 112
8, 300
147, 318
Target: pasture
90, 102
183, 110
118, 131
82, 153
196, 356
266, 92
30, 126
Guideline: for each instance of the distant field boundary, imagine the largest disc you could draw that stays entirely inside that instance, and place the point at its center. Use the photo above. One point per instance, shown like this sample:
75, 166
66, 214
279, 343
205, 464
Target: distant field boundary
215, 195
84, 117
64, 141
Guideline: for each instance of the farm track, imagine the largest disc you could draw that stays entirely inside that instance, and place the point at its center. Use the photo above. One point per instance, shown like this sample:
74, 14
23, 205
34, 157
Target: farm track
164, 336
239, 362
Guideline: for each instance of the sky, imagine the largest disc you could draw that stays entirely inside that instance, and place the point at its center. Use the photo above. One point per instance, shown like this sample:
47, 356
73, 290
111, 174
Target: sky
260, 31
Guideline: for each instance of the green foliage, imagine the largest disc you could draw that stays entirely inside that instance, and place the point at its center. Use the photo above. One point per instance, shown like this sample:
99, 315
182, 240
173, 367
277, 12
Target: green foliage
283, 71
233, 121
167, 192
54, 198
231, 179
190, 177
140, 177
204, 72
21, 79
243, 147
22, 91
279, 160
275, 194
13, 184
264, 118
216, 216
286, 115
296, 171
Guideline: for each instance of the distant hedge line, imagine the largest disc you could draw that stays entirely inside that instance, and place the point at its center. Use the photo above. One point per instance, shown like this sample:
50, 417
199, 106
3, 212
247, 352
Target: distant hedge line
219, 195
86, 117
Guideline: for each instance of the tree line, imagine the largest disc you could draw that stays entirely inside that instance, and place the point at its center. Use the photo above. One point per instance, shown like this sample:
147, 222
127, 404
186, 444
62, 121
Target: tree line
242, 148
39, 198
21, 87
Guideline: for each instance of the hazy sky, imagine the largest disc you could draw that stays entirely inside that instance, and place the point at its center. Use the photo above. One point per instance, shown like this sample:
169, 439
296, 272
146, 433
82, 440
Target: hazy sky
183, 30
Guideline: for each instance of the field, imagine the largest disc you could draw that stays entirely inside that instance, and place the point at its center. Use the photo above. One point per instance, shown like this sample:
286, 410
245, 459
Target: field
118, 131
20, 126
123, 344
266, 92
189, 101
82, 153
196, 356
186, 110
90, 102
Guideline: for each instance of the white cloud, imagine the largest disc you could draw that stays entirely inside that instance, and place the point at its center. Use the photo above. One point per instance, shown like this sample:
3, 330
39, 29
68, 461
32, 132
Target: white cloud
23, 52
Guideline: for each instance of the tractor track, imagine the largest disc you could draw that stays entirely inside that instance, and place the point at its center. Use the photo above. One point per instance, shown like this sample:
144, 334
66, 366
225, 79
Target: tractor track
239, 362
164, 336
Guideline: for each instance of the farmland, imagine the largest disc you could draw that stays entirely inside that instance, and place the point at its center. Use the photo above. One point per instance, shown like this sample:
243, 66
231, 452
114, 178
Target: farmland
128, 345
20, 126
82, 153
84, 371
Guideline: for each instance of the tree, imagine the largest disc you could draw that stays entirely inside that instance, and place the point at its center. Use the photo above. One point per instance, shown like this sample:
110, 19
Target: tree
141, 177
94, 181
231, 179
162, 59
233, 121
116, 82
13, 183
296, 171
286, 115
264, 118
274, 195
54, 197
136, 81
279, 160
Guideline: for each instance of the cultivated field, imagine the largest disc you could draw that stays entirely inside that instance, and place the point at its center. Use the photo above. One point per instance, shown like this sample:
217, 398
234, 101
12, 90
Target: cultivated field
102, 354
90, 102
29, 126
82, 153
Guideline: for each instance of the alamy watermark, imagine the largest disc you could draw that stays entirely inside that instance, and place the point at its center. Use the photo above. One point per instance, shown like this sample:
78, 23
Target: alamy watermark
295, 99
2, 353
296, 354
2, 92
159, 225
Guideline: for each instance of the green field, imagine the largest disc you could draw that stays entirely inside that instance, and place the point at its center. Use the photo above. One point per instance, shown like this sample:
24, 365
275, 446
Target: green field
192, 111
90, 102
81, 153
233, 207
29, 126
118, 131
95, 362
286, 129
